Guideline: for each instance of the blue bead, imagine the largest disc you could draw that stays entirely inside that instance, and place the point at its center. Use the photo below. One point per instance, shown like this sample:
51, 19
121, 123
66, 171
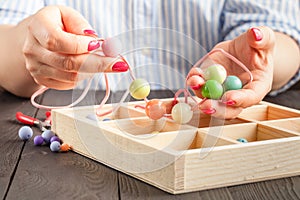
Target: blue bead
55, 146
38, 140
25, 133
47, 135
106, 119
243, 140
92, 117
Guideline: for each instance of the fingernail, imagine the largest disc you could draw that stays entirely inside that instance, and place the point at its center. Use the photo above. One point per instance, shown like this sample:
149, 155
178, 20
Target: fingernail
120, 67
209, 111
257, 34
90, 32
230, 102
94, 44
195, 87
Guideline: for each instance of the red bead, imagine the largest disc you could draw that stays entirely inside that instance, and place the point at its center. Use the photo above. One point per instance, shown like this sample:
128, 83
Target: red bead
155, 109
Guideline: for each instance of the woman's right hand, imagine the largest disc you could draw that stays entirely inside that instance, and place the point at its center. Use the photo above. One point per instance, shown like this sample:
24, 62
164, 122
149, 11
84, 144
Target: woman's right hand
57, 47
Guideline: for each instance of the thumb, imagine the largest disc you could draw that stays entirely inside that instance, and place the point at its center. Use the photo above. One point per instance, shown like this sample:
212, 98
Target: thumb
261, 38
74, 22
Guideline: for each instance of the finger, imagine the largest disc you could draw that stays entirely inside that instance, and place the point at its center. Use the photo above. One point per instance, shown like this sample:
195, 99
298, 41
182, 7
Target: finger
261, 38
50, 28
54, 84
250, 95
74, 22
195, 80
219, 110
49, 72
85, 63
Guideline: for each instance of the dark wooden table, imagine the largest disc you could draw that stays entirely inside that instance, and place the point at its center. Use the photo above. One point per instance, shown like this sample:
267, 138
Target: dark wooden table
30, 172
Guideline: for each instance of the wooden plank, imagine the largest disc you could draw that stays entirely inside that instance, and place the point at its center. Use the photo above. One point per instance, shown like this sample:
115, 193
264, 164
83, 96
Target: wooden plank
289, 98
278, 189
10, 143
43, 174
133, 189
47, 175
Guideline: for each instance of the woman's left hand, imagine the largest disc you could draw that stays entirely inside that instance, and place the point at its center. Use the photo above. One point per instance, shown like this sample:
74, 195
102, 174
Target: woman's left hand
254, 49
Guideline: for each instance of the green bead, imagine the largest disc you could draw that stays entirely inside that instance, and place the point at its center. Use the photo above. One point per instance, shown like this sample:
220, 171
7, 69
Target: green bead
139, 89
232, 83
212, 89
215, 72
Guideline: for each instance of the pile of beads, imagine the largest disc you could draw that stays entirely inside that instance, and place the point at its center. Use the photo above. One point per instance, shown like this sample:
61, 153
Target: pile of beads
216, 82
47, 137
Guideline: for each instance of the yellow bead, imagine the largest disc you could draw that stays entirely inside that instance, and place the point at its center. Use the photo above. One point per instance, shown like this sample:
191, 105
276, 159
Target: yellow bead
139, 89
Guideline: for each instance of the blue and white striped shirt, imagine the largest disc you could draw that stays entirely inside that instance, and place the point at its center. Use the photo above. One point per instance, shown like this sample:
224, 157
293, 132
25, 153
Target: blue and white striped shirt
163, 38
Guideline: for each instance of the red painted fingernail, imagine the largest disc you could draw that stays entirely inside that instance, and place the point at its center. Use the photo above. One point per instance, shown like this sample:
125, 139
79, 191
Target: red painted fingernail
94, 44
120, 67
209, 111
195, 87
257, 34
90, 32
230, 102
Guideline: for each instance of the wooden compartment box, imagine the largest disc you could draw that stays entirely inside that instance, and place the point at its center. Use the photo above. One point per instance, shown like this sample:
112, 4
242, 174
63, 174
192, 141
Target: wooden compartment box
178, 158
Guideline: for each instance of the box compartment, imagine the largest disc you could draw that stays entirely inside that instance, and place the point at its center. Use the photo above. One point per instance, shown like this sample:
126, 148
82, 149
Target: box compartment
265, 112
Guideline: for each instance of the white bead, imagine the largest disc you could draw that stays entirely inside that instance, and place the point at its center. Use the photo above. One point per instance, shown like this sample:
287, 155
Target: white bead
182, 113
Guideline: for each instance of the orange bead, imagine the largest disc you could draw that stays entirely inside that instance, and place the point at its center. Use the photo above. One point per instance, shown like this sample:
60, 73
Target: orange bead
155, 109
65, 147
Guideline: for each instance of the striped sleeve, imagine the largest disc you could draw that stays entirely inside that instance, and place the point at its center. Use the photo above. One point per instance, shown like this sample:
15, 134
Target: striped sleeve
280, 15
14, 11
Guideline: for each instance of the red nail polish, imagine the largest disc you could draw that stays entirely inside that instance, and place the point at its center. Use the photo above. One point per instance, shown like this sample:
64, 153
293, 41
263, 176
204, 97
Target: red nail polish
120, 67
209, 111
90, 32
195, 87
257, 34
94, 44
230, 103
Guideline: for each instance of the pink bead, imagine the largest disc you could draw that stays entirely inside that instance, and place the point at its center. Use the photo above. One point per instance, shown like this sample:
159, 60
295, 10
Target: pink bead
155, 109
112, 47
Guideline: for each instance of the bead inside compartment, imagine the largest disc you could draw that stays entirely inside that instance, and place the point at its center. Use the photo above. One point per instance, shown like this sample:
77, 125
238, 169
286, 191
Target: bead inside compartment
252, 132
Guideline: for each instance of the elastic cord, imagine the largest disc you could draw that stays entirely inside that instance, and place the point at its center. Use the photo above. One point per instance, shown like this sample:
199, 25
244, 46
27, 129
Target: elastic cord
43, 89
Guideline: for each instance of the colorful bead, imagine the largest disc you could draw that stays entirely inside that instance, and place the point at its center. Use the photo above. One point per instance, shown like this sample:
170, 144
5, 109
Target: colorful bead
232, 83
38, 140
215, 72
212, 89
112, 47
243, 140
139, 89
65, 147
182, 113
55, 146
47, 135
25, 133
54, 138
92, 117
155, 109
